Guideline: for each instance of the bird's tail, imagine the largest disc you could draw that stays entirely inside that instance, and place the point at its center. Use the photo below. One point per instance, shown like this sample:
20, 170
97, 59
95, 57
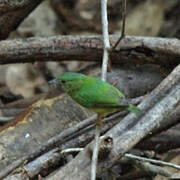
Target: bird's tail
134, 109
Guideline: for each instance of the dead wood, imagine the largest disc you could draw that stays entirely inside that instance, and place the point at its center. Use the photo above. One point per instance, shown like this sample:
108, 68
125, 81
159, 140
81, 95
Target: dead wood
159, 107
12, 13
151, 169
61, 138
23, 103
54, 158
35, 167
36, 125
134, 50
162, 142
51, 159
42, 165
36, 116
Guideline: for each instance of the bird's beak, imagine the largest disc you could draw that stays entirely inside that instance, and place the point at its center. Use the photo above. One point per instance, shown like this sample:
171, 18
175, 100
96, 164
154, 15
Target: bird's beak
54, 84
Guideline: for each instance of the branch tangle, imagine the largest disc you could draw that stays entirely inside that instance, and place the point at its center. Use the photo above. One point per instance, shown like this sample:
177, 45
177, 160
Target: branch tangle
158, 107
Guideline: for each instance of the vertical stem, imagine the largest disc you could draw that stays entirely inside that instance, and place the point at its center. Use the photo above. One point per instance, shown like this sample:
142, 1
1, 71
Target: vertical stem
95, 153
105, 38
106, 43
123, 27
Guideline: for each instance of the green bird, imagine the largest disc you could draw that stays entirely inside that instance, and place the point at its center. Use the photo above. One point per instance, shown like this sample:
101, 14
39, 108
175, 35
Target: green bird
97, 95
94, 94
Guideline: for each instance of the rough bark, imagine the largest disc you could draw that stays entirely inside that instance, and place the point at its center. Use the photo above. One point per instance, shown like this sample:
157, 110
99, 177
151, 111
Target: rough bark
162, 142
13, 12
36, 125
134, 50
38, 165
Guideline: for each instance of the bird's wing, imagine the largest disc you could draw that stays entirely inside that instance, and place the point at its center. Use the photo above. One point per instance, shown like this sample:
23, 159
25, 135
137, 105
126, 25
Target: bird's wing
99, 95
121, 103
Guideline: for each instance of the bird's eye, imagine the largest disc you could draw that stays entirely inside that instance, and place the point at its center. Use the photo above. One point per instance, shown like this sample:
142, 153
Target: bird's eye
63, 81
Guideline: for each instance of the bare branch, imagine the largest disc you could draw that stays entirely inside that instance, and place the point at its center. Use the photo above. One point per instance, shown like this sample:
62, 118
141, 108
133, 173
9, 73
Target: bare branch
134, 50
123, 27
12, 13
106, 42
151, 168
154, 161
5, 119
95, 153
162, 142
71, 150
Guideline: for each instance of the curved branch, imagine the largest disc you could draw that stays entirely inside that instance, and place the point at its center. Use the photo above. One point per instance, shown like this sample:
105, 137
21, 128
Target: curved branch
134, 50
13, 12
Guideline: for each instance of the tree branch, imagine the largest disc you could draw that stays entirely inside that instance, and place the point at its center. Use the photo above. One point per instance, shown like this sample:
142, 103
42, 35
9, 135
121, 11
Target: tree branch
13, 12
134, 50
123, 27
154, 161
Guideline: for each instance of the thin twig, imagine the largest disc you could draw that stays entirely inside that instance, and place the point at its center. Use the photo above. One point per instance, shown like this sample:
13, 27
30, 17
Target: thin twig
143, 169
106, 44
158, 162
106, 49
152, 169
123, 27
71, 150
105, 38
5, 119
95, 153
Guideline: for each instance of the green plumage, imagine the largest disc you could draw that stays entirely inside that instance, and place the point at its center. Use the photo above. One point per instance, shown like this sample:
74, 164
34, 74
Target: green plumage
94, 93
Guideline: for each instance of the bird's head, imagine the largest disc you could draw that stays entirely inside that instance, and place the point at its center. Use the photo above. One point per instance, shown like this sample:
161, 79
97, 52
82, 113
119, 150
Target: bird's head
71, 82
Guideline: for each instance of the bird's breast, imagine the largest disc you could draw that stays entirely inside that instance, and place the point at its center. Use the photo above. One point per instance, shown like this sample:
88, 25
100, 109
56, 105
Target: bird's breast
103, 111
